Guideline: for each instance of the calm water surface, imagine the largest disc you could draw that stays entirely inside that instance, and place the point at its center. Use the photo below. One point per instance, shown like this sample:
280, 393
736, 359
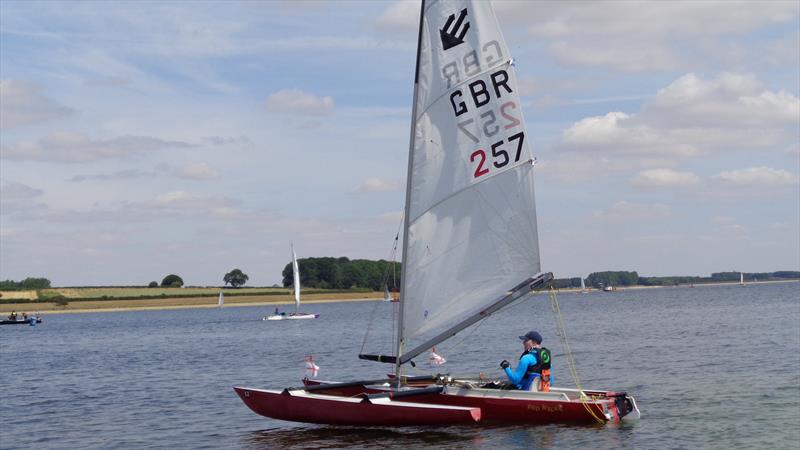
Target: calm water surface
711, 367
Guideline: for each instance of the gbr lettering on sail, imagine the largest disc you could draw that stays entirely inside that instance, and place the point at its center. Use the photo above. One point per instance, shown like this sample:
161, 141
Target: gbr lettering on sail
482, 96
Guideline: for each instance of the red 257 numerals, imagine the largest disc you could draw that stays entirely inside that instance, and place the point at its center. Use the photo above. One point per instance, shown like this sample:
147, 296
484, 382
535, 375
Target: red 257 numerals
500, 157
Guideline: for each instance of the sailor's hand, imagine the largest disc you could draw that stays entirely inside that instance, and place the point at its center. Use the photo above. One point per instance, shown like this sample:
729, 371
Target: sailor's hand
505, 364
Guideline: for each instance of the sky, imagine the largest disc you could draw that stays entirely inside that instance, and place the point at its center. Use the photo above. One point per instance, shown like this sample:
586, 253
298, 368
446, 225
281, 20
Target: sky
139, 139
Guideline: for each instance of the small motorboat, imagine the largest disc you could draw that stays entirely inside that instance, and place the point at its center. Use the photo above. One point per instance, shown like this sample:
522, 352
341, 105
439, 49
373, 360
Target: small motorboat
292, 316
28, 321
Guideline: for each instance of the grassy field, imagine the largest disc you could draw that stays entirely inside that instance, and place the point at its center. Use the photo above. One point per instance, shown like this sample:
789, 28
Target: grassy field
184, 302
129, 292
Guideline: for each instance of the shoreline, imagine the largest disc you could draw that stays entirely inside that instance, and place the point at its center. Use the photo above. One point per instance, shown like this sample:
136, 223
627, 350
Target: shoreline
722, 283
101, 306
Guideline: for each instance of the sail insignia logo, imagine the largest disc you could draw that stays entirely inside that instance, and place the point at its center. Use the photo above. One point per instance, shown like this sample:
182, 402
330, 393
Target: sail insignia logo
455, 36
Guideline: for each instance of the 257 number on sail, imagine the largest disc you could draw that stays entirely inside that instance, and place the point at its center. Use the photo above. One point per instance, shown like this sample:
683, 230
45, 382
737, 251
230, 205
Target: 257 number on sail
500, 156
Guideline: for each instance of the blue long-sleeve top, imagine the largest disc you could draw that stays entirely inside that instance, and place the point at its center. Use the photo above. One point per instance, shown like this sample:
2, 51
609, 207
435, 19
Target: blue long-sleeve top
517, 377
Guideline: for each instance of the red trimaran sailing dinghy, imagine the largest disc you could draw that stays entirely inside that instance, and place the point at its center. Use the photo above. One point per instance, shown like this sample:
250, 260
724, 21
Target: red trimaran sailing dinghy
470, 244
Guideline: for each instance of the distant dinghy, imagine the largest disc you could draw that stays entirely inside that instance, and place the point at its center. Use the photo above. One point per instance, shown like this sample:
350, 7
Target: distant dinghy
221, 300
296, 315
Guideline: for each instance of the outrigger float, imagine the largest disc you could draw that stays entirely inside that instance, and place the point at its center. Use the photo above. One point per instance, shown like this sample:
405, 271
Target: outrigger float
469, 237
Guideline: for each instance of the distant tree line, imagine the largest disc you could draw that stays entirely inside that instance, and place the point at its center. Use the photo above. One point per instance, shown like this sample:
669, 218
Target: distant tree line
343, 273
28, 284
623, 278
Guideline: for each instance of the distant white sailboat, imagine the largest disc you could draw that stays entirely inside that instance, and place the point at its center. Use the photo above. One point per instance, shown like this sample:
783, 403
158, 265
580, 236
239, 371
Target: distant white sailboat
741, 279
583, 287
296, 315
387, 297
221, 299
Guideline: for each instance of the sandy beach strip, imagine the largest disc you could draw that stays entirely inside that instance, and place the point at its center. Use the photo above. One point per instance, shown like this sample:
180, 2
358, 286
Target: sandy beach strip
185, 303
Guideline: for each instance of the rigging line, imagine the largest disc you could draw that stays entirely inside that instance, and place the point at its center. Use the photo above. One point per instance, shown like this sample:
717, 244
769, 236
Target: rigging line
369, 326
562, 334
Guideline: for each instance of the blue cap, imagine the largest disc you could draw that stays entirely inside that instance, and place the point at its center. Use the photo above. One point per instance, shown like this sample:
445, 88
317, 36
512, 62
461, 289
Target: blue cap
532, 335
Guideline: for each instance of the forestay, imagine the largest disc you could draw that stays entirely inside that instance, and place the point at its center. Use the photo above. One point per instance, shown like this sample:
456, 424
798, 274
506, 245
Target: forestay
471, 232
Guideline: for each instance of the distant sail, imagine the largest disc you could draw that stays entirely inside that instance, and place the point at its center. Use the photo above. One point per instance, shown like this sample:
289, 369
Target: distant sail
296, 271
221, 299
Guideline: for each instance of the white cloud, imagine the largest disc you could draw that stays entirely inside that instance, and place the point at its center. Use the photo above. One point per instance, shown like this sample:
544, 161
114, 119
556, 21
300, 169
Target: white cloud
299, 102
377, 185
727, 101
646, 35
401, 15
626, 56
664, 178
694, 116
757, 177
627, 211
68, 147
24, 103
10, 190
643, 18
200, 171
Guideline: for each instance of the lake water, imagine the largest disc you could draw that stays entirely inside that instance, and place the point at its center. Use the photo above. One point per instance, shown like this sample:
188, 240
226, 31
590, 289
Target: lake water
710, 367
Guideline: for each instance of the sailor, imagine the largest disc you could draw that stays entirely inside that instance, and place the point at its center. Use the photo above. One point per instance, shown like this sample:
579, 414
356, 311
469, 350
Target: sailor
12, 316
533, 363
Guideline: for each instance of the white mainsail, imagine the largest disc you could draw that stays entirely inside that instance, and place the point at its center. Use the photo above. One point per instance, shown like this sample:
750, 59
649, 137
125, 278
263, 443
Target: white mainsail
583, 285
471, 232
221, 300
296, 284
741, 277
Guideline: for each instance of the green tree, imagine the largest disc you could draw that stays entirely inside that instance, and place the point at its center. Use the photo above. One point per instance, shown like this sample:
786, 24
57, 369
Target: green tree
172, 280
235, 278
153, 284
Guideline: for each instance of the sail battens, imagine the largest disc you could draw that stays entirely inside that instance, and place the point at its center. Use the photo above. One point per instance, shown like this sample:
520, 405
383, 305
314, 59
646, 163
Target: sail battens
471, 230
517, 165
507, 63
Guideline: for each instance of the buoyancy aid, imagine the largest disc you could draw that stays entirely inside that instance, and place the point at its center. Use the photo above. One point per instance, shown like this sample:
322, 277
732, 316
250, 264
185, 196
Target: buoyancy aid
541, 368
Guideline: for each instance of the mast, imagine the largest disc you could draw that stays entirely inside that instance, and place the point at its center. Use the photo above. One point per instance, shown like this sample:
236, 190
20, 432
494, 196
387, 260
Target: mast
406, 221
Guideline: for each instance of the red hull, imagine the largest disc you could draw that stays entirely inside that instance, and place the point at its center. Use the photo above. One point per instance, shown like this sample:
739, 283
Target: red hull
333, 410
501, 407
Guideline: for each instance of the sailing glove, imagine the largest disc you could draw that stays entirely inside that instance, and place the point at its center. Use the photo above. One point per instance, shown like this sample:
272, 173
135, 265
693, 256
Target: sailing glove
505, 364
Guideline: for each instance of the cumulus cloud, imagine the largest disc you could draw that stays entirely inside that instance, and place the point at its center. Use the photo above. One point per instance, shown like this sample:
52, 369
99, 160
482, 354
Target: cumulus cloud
757, 177
127, 174
377, 185
627, 56
24, 103
626, 211
641, 18
664, 178
199, 171
10, 190
68, 147
298, 102
693, 116
598, 34
401, 15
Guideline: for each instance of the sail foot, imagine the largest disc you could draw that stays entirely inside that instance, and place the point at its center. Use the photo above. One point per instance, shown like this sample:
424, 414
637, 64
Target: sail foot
522, 289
